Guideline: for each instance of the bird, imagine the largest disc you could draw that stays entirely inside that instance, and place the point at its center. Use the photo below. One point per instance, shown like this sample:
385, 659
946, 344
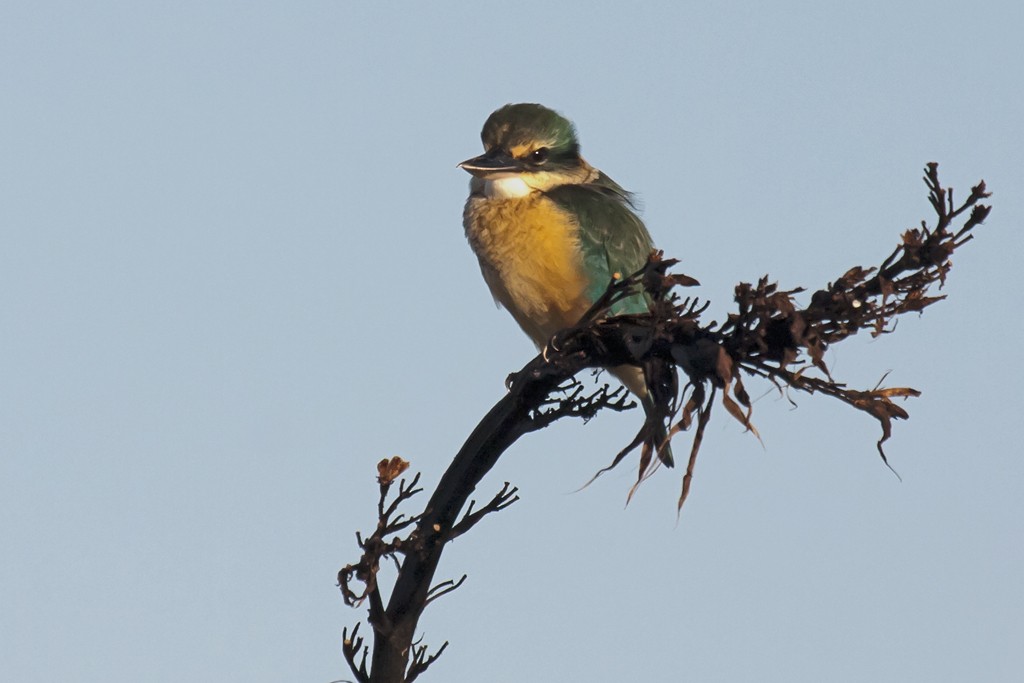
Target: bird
551, 231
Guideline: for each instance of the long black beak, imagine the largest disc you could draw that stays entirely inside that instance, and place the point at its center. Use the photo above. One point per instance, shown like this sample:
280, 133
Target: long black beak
493, 162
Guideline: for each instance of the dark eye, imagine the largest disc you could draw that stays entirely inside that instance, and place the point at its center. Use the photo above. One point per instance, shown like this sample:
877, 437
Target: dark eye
539, 156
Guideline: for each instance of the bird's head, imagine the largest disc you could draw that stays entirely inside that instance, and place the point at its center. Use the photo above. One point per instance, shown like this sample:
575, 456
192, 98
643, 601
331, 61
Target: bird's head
531, 143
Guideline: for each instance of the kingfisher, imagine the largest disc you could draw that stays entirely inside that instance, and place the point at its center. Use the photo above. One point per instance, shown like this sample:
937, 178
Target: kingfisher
551, 231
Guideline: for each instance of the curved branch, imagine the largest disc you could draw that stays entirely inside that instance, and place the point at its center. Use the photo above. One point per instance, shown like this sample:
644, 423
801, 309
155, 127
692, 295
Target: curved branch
769, 336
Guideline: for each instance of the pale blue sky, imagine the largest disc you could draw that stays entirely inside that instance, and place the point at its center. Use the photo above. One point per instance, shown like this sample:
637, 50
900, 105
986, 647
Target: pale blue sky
233, 277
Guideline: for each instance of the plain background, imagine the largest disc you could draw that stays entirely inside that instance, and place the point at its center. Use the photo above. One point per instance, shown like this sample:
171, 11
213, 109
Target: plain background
233, 277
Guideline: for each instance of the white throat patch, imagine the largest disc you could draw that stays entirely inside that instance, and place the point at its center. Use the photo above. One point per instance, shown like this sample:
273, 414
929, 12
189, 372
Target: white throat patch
509, 186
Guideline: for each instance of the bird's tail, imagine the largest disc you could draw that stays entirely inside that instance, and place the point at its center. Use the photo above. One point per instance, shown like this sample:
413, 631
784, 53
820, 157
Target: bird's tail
662, 444
633, 378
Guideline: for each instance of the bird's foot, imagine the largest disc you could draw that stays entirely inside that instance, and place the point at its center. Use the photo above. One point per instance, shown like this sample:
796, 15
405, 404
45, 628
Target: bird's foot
552, 345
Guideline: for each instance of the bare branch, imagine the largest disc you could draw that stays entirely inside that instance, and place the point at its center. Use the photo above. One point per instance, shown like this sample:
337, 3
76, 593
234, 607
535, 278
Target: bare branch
501, 500
580, 405
350, 647
420, 661
444, 588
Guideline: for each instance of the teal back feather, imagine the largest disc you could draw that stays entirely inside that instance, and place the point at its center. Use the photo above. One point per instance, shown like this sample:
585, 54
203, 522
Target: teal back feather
612, 236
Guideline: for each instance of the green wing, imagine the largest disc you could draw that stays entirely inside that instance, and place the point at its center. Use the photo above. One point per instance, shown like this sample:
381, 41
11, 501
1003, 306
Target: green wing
612, 236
